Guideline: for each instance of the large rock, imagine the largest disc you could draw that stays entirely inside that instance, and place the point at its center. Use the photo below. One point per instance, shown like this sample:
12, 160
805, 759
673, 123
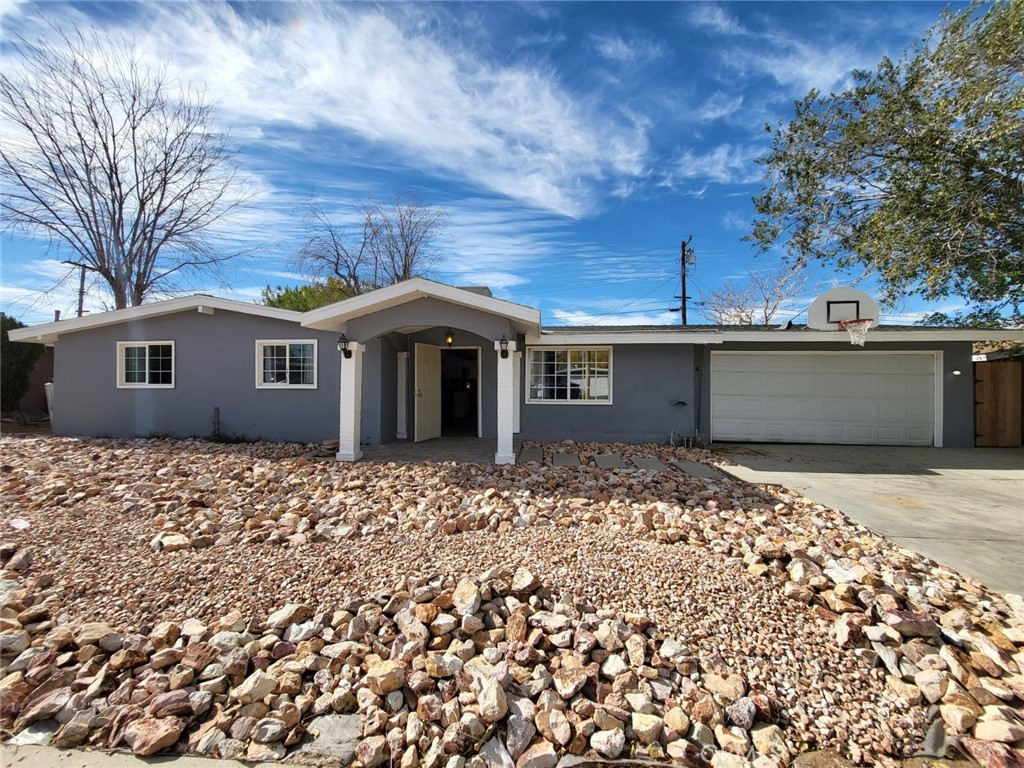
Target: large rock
492, 701
385, 676
466, 598
608, 743
373, 751
540, 755
334, 735
292, 613
148, 735
569, 681
255, 687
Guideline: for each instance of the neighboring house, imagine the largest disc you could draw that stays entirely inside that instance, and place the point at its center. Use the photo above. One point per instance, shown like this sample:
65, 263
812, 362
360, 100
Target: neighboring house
420, 359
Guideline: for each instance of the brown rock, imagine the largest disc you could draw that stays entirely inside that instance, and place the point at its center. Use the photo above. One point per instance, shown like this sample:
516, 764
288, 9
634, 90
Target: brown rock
148, 735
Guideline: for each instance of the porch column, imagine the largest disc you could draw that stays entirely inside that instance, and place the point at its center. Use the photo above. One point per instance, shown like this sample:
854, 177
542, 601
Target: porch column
506, 404
350, 404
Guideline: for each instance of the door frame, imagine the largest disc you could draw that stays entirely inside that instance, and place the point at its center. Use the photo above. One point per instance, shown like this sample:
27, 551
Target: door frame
937, 368
479, 387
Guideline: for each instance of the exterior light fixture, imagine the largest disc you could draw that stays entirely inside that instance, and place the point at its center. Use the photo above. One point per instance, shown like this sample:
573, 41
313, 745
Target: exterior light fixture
503, 343
957, 372
343, 346
449, 338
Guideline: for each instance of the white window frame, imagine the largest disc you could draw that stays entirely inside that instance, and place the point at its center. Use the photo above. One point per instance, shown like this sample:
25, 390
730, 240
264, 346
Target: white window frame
261, 343
122, 372
538, 401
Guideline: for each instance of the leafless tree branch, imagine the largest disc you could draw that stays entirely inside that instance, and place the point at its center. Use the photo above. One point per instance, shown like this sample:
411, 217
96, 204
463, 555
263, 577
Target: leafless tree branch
108, 158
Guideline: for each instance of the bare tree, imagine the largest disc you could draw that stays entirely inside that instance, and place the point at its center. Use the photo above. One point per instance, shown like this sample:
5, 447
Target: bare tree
113, 160
755, 301
330, 252
396, 240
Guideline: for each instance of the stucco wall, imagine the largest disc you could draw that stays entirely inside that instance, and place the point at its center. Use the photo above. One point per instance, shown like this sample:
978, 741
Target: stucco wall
957, 391
214, 366
647, 380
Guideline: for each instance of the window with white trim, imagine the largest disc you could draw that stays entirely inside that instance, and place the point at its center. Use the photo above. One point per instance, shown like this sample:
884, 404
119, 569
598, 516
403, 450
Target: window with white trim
286, 364
570, 375
145, 364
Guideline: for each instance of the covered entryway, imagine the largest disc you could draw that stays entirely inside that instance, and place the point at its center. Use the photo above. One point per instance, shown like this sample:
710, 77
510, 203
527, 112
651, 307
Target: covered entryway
867, 398
423, 360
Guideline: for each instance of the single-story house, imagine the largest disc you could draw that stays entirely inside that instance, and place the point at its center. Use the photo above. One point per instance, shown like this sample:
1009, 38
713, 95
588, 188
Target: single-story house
421, 359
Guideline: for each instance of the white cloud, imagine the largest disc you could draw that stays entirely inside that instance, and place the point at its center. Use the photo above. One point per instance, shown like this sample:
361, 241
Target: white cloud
726, 164
719, 105
715, 18
386, 75
735, 221
620, 50
575, 317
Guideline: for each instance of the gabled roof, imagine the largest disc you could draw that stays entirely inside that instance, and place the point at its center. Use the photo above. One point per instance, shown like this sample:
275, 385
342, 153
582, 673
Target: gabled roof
333, 316
207, 305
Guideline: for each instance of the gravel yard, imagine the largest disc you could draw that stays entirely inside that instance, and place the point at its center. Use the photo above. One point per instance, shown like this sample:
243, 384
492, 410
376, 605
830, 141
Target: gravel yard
832, 633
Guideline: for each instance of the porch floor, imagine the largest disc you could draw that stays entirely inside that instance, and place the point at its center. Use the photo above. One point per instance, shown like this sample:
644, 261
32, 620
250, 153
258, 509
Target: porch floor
476, 450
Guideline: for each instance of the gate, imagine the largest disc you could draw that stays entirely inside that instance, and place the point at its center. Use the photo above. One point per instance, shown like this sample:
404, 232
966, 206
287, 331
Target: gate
997, 404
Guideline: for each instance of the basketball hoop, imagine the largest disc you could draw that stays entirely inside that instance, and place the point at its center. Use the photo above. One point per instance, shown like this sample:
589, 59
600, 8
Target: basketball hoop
858, 329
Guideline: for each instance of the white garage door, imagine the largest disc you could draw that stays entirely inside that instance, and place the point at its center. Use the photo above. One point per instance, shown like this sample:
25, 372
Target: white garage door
873, 399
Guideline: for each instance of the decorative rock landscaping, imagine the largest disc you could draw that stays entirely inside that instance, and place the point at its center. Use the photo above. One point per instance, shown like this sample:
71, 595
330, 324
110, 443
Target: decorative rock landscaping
241, 601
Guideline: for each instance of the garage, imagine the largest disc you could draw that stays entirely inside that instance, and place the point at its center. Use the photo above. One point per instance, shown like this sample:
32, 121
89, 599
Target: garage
866, 398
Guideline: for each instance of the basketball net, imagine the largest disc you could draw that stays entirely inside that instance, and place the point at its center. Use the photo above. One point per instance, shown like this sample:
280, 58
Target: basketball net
858, 330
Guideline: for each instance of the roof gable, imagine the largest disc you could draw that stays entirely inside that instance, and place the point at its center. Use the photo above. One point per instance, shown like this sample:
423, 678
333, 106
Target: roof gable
333, 316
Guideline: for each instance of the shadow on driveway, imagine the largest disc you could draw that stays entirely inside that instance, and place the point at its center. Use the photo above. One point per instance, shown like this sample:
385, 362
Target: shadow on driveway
963, 507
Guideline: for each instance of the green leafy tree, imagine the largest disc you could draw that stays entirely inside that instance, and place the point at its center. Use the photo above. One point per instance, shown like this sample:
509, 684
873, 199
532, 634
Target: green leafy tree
17, 361
303, 298
917, 171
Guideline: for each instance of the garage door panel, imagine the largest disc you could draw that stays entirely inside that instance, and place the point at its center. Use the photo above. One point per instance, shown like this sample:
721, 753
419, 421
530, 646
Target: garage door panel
824, 398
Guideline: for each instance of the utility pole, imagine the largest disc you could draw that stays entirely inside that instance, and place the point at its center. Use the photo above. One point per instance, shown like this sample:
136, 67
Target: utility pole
686, 258
81, 291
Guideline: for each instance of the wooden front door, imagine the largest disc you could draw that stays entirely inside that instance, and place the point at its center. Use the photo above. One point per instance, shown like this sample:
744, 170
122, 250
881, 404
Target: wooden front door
997, 404
427, 392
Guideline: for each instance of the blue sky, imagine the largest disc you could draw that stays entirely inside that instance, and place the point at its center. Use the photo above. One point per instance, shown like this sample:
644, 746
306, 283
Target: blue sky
572, 145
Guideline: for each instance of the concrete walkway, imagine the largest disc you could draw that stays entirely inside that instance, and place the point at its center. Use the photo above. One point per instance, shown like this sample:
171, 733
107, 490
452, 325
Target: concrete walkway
960, 507
50, 757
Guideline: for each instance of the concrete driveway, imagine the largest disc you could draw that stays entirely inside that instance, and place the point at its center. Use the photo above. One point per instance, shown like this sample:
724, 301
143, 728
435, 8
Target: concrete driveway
961, 507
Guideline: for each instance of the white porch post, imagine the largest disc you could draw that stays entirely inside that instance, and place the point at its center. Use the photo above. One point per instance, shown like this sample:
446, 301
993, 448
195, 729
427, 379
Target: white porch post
351, 404
506, 404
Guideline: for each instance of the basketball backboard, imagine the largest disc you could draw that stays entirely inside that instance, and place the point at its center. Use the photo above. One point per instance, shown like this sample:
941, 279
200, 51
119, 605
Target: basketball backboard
838, 304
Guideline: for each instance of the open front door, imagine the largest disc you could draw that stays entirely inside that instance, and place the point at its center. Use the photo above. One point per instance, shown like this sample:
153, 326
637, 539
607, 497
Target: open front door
427, 408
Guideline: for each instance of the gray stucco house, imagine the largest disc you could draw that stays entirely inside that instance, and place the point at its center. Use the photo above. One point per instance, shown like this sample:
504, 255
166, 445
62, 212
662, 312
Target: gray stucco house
420, 359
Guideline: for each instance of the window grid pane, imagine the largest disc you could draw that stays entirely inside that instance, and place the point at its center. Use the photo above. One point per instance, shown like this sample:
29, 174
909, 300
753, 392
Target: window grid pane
569, 374
288, 364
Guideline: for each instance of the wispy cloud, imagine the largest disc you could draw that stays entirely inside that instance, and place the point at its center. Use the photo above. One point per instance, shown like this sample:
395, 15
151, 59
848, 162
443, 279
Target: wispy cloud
719, 105
725, 164
735, 221
635, 50
388, 76
577, 318
713, 17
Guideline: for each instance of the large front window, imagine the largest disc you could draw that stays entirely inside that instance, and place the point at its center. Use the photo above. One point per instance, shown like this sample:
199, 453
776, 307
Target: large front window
145, 364
570, 375
289, 364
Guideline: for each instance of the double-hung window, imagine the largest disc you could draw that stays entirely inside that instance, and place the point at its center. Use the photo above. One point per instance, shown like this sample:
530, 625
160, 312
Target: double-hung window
145, 364
286, 364
570, 375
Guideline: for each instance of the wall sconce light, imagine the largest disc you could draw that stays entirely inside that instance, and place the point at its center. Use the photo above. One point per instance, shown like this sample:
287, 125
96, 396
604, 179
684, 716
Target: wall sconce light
343, 346
957, 371
449, 338
503, 343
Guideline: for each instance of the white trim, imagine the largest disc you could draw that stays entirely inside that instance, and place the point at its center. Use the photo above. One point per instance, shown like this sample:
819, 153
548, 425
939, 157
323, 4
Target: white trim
333, 316
123, 345
937, 374
504, 403
402, 416
49, 332
350, 403
517, 391
574, 348
260, 343
939, 387
717, 336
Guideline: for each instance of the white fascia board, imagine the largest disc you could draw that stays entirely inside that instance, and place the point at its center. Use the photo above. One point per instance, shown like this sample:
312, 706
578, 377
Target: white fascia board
839, 337
609, 339
334, 315
48, 333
